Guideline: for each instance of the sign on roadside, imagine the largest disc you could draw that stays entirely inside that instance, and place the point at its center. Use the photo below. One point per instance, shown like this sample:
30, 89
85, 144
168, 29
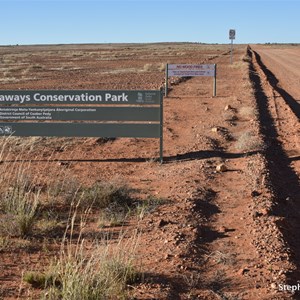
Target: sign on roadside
84, 113
192, 70
182, 70
232, 34
231, 37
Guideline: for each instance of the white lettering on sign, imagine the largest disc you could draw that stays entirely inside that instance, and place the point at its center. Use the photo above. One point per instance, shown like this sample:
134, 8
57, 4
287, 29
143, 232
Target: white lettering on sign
182, 70
15, 98
85, 97
116, 98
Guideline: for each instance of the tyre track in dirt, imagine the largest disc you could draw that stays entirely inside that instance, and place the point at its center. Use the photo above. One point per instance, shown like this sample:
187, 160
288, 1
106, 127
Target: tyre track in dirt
224, 253
291, 101
219, 259
279, 113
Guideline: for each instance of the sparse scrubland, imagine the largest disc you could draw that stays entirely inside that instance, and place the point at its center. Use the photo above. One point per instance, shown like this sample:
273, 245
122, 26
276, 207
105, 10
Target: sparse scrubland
101, 218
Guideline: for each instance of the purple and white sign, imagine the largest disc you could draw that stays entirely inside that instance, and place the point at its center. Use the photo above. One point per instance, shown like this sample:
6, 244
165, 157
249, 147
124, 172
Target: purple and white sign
185, 70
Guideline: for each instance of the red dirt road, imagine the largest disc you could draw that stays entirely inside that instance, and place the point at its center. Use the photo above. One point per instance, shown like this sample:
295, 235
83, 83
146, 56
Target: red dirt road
285, 64
276, 78
282, 70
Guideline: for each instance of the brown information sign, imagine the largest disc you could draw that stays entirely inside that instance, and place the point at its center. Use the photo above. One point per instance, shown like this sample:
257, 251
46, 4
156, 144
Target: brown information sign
97, 113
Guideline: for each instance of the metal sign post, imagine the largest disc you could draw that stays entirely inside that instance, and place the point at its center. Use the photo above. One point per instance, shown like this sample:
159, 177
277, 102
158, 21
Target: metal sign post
215, 82
161, 121
231, 37
166, 85
231, 48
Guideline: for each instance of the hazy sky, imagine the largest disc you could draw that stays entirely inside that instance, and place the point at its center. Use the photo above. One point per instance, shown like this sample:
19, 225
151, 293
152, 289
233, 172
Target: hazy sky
78, 21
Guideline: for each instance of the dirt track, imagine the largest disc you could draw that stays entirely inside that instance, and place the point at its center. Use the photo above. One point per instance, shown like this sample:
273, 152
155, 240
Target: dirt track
284, 62
275, 77
280, 74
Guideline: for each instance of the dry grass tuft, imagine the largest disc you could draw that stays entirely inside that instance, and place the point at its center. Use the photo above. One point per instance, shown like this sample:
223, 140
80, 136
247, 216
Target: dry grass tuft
248, 112
19, 204
154, 67
106, 194
248, 141
229, 116
88, 270
246, 58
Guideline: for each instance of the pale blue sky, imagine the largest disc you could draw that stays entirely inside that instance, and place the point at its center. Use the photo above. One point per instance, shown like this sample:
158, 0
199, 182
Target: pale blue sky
77, 21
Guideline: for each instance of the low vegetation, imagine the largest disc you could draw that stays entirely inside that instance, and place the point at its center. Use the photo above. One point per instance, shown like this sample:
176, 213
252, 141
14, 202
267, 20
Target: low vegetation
19, 205
248, 112
31, 209
154, 67
248, 141
85, 270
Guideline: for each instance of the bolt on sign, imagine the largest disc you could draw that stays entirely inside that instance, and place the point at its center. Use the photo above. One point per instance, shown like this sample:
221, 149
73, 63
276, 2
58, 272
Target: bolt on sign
186, 70
136, 114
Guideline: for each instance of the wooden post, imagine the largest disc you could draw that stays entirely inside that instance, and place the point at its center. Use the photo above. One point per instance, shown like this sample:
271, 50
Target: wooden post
161, 147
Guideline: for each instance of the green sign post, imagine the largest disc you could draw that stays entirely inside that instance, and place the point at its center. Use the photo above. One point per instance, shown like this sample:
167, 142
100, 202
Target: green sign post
136, 114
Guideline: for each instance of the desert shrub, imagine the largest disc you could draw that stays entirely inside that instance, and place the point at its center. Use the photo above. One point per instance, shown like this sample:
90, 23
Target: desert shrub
248, 112
65, 188
248, 141
20, 208
49, 223
237, 65
247, 85
229, 115
4, 243
116, 214
246, 58
40, 280
102, 272
113, 199
154, 67
106, 194
147, 205
161, 67
148, 67
113, 215
37, 67
104, 140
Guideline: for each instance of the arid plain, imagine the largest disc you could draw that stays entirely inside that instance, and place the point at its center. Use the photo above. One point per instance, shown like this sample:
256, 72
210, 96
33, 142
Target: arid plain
219, 219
